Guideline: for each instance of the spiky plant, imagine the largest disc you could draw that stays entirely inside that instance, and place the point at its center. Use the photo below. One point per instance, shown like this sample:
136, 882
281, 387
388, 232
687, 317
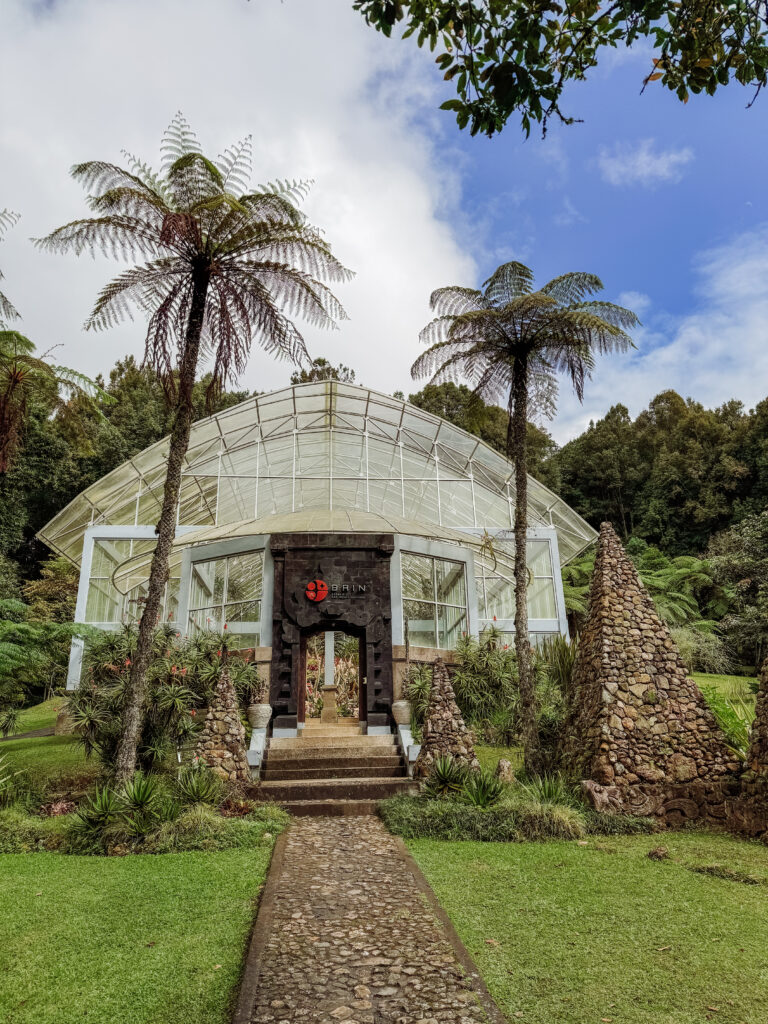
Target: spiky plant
8, 311
221, 266
511, 342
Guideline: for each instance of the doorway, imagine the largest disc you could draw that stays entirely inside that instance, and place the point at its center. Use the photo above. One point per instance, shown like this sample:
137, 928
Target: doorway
334, 657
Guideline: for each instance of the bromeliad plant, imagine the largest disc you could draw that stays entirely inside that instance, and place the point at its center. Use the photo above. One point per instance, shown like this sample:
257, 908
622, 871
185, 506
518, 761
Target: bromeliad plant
182, 675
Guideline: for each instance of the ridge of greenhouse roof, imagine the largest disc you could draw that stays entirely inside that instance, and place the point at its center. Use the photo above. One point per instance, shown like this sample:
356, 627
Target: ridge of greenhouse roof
277, 425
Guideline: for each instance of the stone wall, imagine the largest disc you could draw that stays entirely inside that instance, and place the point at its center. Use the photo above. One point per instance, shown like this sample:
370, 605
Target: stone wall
757, 760
444, 732
222, 742
636, 716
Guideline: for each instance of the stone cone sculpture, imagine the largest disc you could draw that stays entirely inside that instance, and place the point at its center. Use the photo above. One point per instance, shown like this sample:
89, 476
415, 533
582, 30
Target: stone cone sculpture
636, 716
222, 742
444, 732
757, 759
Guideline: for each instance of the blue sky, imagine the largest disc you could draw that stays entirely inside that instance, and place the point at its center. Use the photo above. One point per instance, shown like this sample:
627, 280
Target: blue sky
665, 201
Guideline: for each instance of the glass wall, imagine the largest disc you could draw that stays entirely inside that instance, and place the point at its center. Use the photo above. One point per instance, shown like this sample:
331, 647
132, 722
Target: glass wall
107, 606
434, 600
496, 587
228, 591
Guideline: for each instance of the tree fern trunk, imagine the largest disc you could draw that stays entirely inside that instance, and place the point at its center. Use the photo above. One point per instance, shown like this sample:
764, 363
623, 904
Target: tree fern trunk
133, 706
517, 435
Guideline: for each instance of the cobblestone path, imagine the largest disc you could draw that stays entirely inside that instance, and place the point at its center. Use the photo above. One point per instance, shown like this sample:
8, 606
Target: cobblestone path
353, 937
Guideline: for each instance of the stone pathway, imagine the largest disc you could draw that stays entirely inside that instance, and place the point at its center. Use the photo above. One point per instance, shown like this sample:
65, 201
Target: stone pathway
349, 932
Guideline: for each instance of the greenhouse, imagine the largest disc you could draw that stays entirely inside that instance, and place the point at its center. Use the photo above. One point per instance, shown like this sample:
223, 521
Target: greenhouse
322, 507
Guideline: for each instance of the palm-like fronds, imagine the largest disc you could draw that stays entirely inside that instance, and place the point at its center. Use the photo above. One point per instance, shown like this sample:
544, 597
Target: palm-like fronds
266, 263
219, 267
7, 310
512, 343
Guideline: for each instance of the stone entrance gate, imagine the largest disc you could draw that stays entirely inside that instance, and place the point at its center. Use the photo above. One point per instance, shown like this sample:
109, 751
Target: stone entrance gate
331, 582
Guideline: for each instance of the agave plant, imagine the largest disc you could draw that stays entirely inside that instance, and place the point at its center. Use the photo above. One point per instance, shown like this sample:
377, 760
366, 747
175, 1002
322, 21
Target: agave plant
482, 789
446, 779
197, 784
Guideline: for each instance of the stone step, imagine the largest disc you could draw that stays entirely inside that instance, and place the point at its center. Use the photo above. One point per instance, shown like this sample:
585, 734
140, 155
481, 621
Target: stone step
358, 771
333, 789
297, 742
348, 753
340, 723
332, 759
329, 730
330, 808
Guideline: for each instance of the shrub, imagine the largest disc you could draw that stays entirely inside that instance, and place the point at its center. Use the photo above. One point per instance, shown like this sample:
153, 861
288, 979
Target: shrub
550, 789
422, 818
418, 684
482, 789
10, 783
25, 833
446, 777
201, 828
9, 721
485, 678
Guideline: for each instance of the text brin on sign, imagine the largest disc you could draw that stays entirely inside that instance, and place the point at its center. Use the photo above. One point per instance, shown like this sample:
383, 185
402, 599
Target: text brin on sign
318, 590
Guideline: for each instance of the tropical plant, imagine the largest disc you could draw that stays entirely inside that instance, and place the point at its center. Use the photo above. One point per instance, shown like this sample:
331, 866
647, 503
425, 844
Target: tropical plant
482, 789
197, 784
9, 721
7, 310
417, 687
510, 342
734, 715
223, 265
446, 777
485, 677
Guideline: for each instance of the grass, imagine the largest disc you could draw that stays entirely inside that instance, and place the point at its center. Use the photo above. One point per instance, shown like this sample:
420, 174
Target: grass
41, 716
570, 933
729, 686
489, 756
50, 760
153, 940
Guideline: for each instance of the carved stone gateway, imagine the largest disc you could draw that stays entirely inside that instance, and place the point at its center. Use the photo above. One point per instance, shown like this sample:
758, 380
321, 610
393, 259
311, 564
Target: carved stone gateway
638, 722
324, 582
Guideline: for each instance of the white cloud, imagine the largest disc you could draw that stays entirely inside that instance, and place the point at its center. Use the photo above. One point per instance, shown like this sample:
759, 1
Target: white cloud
568, 215
716, 352
322, 95
641, 163
636, 301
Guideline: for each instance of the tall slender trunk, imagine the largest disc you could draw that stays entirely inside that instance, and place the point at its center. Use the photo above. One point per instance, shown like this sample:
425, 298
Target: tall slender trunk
518, 454
133, 707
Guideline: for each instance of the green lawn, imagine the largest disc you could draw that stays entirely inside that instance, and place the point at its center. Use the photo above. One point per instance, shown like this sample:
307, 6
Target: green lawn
150, 940
50, 760
41, 716
729, 686
569, 934
489, 756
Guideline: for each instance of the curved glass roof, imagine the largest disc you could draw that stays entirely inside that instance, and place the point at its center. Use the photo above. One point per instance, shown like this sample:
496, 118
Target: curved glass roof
322, 446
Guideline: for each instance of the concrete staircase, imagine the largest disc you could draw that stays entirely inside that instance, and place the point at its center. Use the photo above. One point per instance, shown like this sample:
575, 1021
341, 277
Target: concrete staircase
333, 769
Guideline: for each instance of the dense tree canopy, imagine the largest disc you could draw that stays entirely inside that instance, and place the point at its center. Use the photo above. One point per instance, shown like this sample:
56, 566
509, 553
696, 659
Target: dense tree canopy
513, 57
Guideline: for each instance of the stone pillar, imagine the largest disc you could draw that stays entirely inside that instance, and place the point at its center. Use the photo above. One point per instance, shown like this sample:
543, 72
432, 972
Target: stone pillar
222, 742
636, 715
444, 731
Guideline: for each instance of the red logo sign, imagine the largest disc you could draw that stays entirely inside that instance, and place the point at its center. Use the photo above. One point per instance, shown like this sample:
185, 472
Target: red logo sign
316, 590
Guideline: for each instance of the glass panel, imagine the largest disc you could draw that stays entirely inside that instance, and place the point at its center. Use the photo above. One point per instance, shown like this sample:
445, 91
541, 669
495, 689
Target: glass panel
451, 622
538, 557
499, 599
450, 582
201, 587
420, 617
102, 604
541, 599
106, 556
245, 576
243, 611
418, 579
